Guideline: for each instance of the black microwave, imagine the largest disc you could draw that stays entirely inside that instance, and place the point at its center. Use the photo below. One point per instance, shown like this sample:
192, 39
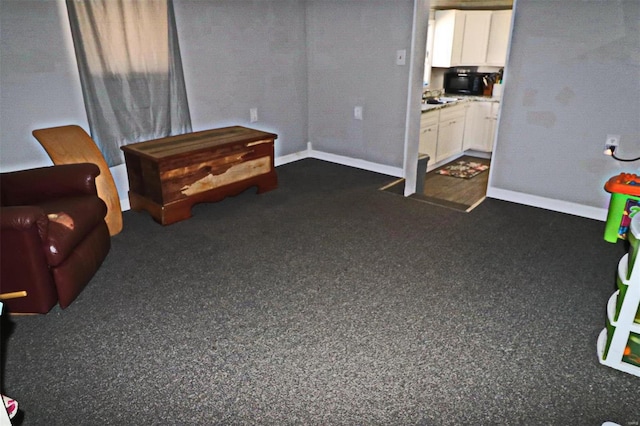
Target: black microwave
464, 83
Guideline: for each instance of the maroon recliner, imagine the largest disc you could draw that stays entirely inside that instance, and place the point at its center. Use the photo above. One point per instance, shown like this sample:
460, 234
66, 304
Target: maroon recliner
53, 236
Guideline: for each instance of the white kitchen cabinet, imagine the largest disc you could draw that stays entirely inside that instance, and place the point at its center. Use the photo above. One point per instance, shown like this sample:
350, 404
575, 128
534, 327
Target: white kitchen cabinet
475, 38
450, 132
473, 124
480, 126
499, 38
447, 37
429, 134
491, 127
460, 37
471, 38
429, 53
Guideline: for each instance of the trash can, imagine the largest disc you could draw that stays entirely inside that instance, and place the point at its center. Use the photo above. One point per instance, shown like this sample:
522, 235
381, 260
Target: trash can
423, 159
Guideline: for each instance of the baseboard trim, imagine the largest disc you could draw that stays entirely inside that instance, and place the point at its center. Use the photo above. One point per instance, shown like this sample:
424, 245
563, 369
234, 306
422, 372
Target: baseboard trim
290, 158
479, 154
340, 159
433, 166
122, 184
357, 163
548, 203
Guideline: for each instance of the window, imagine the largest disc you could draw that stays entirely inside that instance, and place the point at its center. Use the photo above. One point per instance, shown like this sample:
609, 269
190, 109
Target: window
130, 70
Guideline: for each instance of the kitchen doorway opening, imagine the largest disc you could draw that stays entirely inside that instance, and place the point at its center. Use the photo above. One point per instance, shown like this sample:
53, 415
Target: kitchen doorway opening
460, 184
462, 194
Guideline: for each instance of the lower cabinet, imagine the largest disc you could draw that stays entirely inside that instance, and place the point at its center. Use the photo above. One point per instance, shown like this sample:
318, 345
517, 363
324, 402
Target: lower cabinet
429, 134
450, 131
480, 126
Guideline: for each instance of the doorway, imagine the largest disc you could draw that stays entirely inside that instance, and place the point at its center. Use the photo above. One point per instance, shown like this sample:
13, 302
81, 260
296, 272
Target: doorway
440, 187
443, 186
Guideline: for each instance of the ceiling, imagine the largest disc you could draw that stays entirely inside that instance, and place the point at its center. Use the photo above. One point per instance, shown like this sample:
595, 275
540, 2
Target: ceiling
472, 4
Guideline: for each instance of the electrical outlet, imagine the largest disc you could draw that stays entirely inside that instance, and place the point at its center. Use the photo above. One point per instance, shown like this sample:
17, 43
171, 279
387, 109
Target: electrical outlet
611, 143
253, 112
612, 140
357, 113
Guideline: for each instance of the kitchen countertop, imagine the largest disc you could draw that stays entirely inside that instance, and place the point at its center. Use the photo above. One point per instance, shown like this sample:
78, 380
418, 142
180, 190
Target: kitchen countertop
461, 99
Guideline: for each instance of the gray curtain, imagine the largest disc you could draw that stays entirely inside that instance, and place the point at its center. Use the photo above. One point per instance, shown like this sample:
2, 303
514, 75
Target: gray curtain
130, 70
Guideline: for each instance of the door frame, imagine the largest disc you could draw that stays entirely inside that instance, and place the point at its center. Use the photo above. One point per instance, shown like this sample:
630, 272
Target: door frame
414, 94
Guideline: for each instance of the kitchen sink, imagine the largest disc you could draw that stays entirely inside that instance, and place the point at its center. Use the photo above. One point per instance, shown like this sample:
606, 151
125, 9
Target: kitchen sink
446, 100
434, 102
441, 100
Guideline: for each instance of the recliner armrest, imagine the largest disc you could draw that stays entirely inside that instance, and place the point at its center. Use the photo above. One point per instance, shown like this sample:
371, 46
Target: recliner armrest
22, 218
23, 264
33, 186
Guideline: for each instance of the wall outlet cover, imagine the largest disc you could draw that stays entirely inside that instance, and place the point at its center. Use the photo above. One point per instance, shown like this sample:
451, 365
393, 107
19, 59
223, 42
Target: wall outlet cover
612, 140
357, 113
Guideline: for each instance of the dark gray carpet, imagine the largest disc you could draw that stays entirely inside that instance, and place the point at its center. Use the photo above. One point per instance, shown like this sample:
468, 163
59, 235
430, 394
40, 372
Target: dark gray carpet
329, 302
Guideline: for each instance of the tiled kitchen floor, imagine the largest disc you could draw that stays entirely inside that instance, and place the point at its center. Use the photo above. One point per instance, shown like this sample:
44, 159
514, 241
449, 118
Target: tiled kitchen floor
450, 192
465, 192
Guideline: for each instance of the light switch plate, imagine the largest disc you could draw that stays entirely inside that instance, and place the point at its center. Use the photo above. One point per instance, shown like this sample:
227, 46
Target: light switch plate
357, 113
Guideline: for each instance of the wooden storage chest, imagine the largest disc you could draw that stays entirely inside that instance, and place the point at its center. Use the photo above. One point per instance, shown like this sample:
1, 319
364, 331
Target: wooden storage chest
168, 176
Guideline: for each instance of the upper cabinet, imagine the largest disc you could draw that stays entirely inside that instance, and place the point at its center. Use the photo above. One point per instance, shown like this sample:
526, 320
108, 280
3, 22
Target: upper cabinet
499, 38
447, 38
470, 38
476, 36
429, 52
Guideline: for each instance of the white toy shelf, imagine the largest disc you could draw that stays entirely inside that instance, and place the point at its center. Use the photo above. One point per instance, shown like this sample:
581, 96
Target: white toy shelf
619, 342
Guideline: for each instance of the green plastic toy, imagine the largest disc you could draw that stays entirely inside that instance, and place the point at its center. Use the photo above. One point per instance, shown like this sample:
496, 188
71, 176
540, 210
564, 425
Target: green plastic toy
624, 204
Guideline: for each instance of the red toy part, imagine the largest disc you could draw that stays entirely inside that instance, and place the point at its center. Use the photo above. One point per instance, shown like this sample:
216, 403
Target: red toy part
624, 183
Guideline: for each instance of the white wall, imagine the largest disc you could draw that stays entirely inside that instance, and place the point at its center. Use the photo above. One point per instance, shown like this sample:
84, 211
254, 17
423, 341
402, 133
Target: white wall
39, 82
239, 55
236, 54
351, 49
571, 79
291, 59
573, 76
